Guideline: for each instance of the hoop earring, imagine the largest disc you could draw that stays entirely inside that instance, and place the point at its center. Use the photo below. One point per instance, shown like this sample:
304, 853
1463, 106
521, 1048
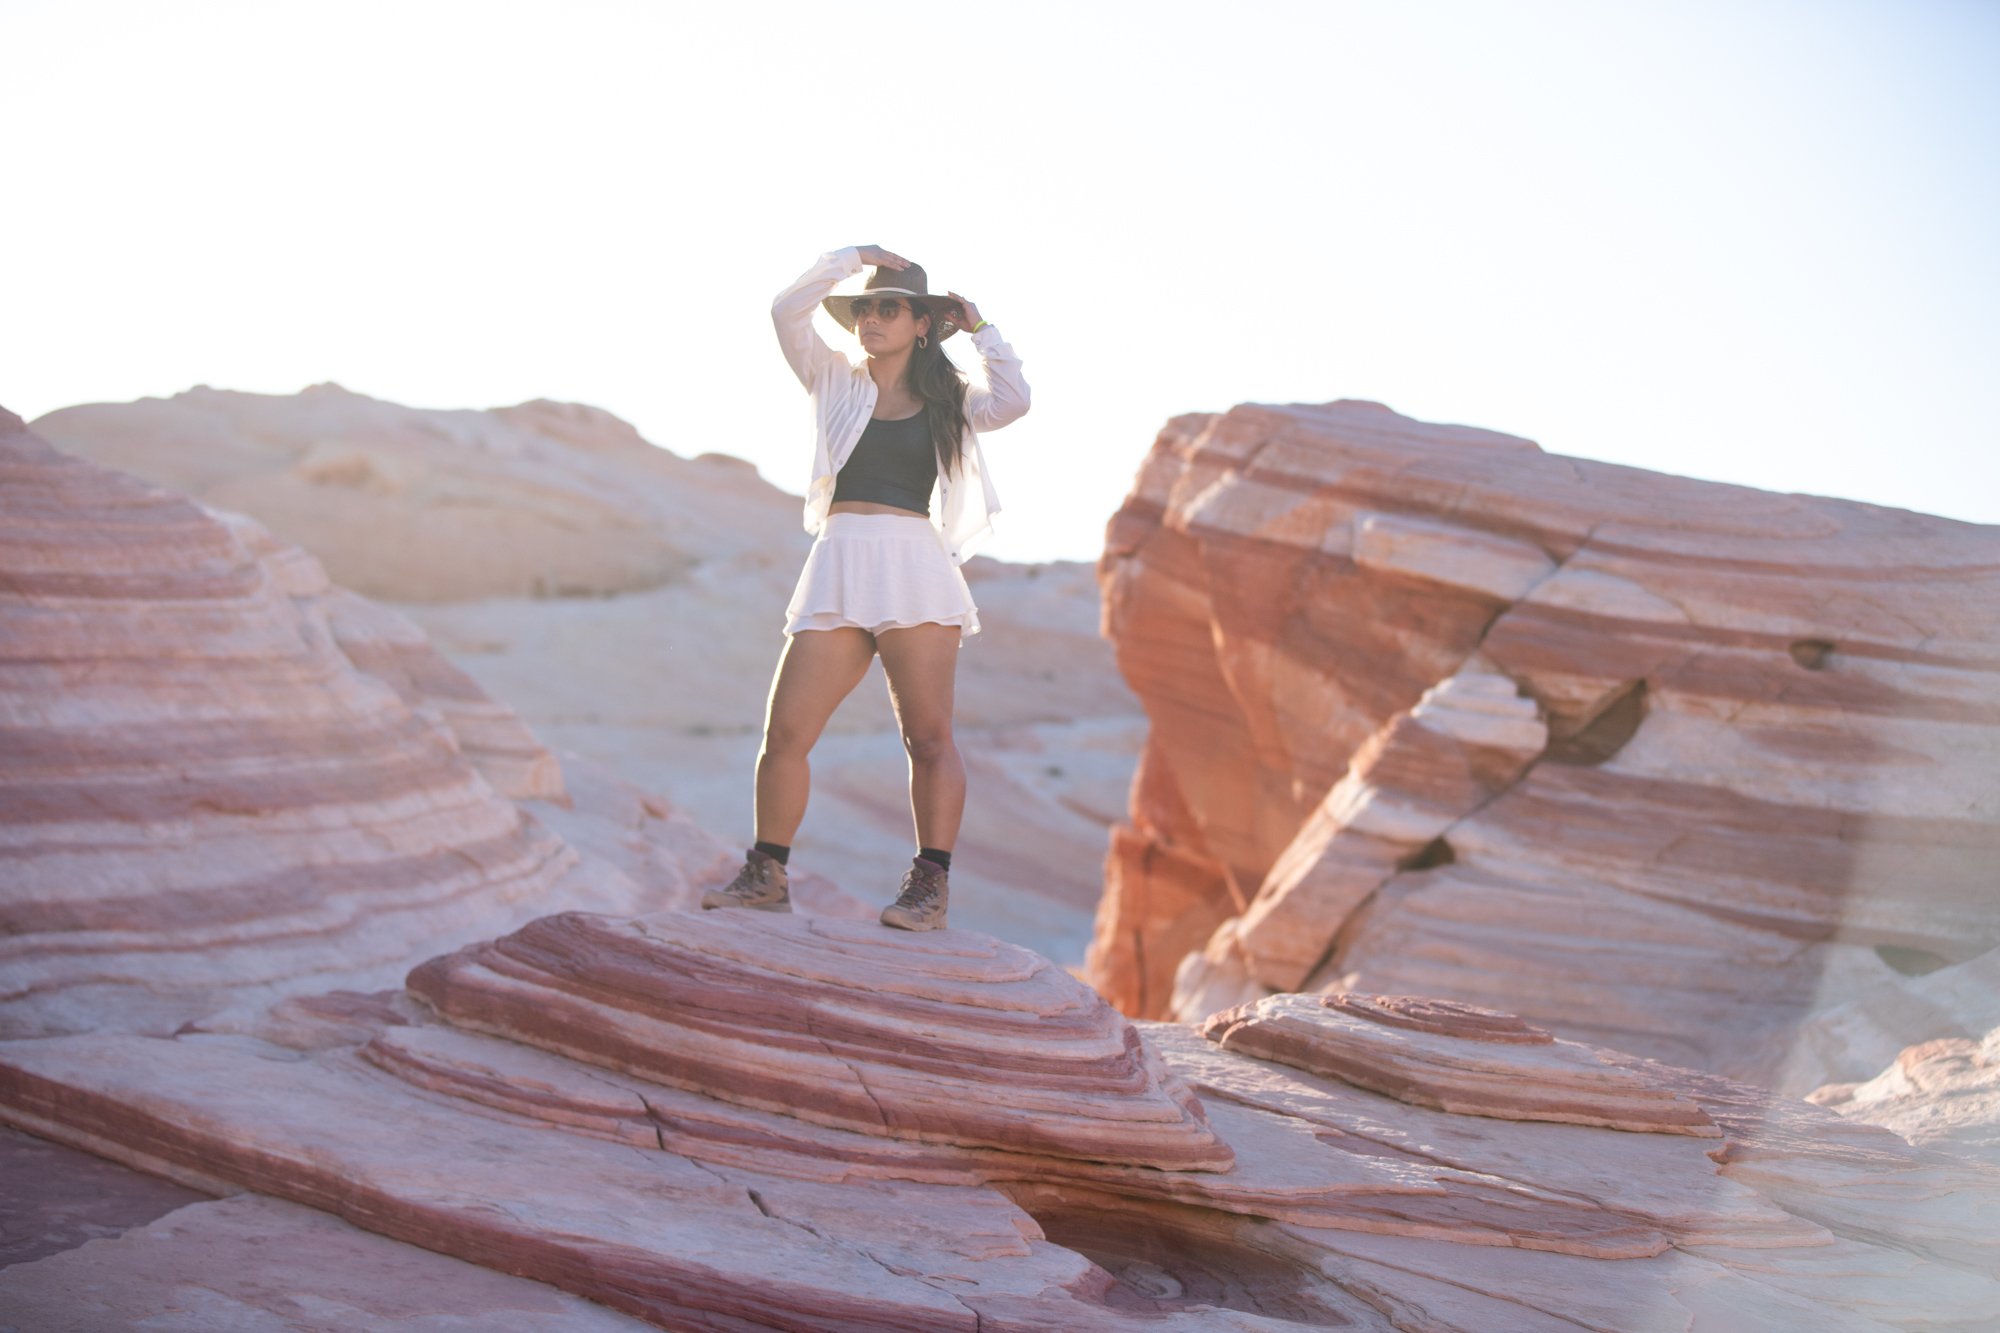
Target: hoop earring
921, 342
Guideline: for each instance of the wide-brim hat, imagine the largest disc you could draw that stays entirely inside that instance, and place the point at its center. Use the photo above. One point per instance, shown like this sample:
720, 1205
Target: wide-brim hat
906, 282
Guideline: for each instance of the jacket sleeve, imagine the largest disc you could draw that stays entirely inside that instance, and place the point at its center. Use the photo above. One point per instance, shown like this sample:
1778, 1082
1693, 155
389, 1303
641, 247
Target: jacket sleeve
792, 313
1004, 396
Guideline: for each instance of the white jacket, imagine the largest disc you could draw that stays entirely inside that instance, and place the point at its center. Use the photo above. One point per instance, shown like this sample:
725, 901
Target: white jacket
843, 394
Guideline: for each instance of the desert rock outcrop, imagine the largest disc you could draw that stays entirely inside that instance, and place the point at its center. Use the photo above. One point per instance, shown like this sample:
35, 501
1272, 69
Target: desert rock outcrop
1435, 1053
224, 779
405, 504
1336, 1205
1657, 764
813, 1017
716, 1120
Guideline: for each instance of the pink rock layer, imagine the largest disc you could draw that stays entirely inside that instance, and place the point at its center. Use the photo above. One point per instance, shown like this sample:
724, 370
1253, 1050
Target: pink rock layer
948, 1036
1656, 763
224, 780
1343, 1207
1435, 1053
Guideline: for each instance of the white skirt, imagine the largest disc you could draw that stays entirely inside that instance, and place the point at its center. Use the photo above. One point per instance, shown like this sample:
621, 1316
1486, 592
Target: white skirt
880, 571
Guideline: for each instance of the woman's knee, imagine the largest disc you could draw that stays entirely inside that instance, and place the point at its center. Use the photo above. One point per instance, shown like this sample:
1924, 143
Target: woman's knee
927, 745
788, 740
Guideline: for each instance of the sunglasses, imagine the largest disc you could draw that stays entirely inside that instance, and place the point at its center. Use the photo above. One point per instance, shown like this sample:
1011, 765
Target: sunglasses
887, 307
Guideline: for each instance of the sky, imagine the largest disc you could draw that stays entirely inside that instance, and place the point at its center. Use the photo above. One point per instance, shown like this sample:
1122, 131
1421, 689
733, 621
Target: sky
1750, 241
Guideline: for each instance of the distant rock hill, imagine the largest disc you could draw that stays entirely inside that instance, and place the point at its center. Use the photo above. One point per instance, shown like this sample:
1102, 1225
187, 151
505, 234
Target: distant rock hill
429, 505
628, 603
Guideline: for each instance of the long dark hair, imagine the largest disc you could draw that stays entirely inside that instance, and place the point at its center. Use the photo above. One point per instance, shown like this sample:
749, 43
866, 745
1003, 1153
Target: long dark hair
940, 384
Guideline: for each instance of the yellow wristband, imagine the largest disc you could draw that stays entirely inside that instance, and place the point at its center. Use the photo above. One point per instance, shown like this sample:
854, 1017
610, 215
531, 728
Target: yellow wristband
980, 325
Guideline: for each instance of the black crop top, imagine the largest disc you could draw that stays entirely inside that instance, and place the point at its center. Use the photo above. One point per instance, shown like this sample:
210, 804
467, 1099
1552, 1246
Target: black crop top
894, 463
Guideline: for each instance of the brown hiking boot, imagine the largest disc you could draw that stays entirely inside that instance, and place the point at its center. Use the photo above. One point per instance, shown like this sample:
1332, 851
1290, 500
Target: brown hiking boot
761, 884
926, 890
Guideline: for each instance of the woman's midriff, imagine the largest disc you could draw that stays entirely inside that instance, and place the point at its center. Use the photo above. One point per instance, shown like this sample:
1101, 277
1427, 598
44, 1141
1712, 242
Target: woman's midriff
868, 507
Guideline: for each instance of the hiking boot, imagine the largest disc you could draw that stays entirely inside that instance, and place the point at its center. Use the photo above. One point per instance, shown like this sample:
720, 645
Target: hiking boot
761, 884
921, 906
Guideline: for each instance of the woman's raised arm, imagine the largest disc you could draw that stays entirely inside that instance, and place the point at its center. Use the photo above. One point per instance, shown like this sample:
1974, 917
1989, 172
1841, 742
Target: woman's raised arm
1004, 396
792, 310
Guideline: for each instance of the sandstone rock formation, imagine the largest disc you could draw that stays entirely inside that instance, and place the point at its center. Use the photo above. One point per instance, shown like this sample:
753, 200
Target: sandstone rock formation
242, 805
628, 603
224, 780
811, 1018
1433, 1053
720, 1200
1656, 764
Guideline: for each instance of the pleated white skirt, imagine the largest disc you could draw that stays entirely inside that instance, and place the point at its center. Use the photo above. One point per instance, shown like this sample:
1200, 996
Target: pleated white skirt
880, 571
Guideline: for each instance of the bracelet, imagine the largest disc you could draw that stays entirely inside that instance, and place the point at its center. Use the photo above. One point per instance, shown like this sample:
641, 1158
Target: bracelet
980, 325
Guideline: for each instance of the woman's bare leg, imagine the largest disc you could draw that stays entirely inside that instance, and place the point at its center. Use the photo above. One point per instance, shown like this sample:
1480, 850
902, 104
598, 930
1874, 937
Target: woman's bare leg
921, 662
818, 669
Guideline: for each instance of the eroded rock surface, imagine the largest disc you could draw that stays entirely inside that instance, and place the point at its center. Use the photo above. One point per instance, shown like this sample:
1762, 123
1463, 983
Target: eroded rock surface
688, 1204
58, 1198
1436, 1053
1658, 764
251, 1264
727, 1121
838, 1022
224, 780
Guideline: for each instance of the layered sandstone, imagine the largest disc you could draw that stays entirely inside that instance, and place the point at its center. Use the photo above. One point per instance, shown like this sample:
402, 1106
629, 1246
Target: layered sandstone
1436, 1053
634, 1168
1657, 764
713, 1120
815, 1017
224, 779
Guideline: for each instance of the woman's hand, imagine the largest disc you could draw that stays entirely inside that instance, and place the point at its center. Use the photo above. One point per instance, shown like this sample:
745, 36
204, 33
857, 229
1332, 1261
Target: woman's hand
971, 317
876, 257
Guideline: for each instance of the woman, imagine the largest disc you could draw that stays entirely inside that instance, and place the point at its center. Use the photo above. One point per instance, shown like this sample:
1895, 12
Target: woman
899, 497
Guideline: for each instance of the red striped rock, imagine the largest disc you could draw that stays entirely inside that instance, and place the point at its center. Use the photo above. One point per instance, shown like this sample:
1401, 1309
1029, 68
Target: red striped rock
879, 1182
1282, 1170
697, 1211
223, 780
1459, 1058
1466, 740
948, 1036
1770, 726
653, 1234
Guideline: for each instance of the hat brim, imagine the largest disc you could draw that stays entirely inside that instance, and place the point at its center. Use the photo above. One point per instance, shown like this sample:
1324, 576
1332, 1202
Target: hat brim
943, 325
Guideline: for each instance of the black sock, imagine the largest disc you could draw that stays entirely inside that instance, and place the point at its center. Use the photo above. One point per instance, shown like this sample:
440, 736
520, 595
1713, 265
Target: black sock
933, 854
776, 851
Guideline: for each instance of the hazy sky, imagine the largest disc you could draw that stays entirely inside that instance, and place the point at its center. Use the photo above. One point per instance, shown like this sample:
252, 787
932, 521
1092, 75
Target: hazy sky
1752, 241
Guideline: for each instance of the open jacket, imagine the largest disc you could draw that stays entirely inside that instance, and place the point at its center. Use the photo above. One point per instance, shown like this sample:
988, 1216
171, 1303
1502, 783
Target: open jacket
843, 394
